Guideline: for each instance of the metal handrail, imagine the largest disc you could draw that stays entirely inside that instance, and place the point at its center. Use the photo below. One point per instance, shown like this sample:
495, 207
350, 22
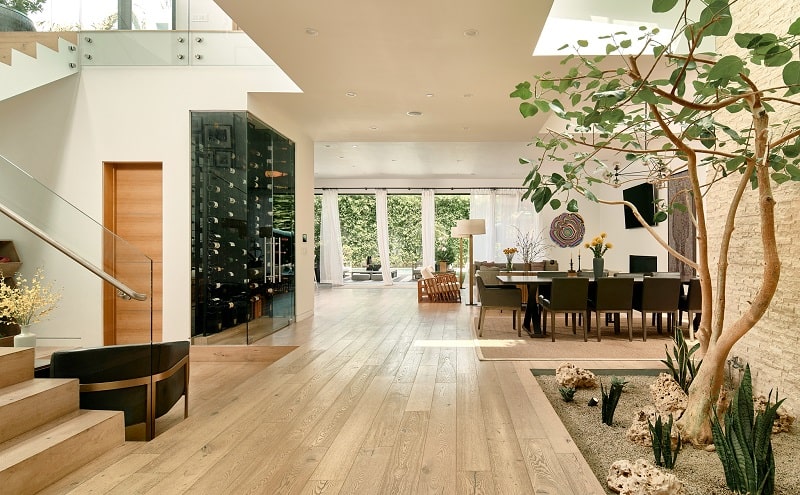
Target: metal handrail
125, 291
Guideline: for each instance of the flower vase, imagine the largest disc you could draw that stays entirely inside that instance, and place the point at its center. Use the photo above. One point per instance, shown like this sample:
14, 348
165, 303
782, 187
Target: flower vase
25, 338
509, 264
597, 266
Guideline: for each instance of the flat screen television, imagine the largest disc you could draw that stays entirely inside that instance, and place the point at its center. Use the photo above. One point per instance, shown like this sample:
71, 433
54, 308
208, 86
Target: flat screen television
643, 197
642, 264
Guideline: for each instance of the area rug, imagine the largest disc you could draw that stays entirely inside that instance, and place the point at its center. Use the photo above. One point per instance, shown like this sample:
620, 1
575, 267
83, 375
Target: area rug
500, 343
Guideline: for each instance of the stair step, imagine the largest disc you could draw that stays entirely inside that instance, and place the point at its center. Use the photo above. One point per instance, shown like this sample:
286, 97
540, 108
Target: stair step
28, 467
28, 405
17, 365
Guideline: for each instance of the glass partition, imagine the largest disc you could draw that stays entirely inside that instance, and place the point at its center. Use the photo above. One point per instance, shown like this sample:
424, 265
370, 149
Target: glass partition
86, 259
242, 228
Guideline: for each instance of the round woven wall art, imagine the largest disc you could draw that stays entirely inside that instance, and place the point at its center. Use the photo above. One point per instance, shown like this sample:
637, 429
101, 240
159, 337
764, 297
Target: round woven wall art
567, 230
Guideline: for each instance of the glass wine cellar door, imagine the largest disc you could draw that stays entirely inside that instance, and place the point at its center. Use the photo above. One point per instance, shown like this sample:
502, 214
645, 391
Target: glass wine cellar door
243, 203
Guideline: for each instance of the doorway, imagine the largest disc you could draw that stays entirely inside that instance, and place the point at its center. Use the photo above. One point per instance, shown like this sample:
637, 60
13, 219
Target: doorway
132, 209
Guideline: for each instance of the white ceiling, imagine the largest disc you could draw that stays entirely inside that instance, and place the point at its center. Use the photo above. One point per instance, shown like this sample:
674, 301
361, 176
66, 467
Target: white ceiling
362, 65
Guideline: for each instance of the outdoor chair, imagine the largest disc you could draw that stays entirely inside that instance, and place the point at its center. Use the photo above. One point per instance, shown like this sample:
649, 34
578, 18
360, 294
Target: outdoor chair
614, 295
658, 295
568, 295
438, 287
500, 298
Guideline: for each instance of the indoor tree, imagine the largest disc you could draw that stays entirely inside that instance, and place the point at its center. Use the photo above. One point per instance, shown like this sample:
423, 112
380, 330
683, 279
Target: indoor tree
717, 117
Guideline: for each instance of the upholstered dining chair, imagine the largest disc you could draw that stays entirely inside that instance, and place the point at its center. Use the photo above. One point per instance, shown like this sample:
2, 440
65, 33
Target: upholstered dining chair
658, 295
509, 298
567, 295
614, 295
691, 303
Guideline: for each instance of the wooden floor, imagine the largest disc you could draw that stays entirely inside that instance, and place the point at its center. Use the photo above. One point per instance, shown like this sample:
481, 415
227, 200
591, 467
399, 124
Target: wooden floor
383, 395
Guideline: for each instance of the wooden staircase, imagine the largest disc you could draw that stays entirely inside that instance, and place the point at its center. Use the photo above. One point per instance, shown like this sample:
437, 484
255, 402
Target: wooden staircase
43, 433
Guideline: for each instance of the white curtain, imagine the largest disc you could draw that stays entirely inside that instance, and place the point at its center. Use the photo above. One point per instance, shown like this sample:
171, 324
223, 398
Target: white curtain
504, 213
331, 264
481, 205
428, 228
382, 220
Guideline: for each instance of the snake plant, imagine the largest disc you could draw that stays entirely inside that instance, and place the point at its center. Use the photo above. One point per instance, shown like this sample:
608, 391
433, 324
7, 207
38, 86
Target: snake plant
661, 437
683, 368
744, 445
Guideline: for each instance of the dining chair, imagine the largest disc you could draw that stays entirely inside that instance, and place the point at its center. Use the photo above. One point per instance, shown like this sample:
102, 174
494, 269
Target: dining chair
692, 304
613, 295
658, 295
500, 298
567, 295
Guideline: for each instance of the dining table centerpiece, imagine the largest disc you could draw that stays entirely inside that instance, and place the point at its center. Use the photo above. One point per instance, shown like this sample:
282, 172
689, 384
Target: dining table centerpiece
509, 252
25, 303
598, 246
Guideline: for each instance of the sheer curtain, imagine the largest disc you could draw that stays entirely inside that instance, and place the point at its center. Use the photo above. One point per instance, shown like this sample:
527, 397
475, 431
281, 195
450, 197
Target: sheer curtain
428, 228
331, 264
382, 220
505, 212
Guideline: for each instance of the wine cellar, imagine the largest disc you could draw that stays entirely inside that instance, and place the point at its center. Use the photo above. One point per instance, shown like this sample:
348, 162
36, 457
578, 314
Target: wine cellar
242, 228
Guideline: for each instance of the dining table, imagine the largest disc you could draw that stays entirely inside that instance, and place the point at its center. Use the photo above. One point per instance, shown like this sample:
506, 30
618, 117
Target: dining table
532, 323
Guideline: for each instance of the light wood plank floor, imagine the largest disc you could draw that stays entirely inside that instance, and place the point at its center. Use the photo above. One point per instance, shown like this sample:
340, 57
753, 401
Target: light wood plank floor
383, 395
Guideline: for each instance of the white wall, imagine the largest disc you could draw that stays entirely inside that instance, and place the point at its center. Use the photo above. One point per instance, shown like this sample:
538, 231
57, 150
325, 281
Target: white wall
62, 133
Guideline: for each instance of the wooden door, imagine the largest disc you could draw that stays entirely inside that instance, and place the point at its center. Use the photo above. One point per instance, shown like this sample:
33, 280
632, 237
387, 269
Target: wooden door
132, 204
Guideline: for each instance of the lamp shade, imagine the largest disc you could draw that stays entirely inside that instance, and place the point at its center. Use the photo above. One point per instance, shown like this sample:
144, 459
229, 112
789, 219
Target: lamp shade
473, 226
455, 232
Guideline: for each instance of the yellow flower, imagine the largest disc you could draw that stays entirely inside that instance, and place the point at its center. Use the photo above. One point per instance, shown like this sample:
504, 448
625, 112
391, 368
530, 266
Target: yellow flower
609, 245
28, 302
586, 245
603, 235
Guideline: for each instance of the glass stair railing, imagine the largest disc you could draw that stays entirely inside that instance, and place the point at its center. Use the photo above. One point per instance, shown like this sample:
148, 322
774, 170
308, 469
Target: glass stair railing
48, 232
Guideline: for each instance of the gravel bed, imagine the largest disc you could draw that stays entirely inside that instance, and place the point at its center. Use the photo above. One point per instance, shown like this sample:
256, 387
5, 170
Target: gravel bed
601, 445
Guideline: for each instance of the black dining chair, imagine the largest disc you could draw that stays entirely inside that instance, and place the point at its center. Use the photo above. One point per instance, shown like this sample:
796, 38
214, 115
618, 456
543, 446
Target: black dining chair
691, 303
567, 295
658, 295
613, 295
508, 298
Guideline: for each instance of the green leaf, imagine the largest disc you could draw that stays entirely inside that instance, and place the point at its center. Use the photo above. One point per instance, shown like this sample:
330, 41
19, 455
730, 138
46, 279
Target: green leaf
523, 91
647, 96
583, 44
576, 98
572, 206
794, 29
792, 150
746, 40
719, 14
625, 43
780, 178
793, 172
542, 105
660, 216
590, 196
528, 109
557, 179
610, 48
726, 68
562, 47
663, 5
555, 203
777, 55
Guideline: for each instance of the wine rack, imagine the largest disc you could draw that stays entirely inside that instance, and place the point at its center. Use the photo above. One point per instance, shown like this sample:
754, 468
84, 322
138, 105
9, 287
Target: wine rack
242, 260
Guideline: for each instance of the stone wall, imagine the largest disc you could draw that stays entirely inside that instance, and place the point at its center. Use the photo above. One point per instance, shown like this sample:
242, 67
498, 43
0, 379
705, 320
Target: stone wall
773, 347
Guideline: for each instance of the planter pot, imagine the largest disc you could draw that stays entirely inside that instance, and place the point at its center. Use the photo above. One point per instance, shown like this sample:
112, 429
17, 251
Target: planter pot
597, 266
13, 20
442, 266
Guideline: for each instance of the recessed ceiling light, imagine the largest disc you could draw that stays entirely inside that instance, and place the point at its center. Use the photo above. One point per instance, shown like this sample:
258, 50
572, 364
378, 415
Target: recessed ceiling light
414, 113
373, 128
429, 95
327, 145
351, 94
355, 146
471, 32
341, 157
311, 32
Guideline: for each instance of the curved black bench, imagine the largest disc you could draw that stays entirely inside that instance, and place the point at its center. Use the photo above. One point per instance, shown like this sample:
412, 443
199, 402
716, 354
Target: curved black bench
142, 380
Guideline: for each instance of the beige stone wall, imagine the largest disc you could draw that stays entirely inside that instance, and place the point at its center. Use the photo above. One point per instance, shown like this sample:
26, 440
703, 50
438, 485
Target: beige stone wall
773, 347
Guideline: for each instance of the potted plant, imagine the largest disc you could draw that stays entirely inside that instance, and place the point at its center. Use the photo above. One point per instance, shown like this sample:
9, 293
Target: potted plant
14, 14
25, 303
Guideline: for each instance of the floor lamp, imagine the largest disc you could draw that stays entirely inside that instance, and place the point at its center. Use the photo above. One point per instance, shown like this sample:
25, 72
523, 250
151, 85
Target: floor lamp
470, 228
456, 233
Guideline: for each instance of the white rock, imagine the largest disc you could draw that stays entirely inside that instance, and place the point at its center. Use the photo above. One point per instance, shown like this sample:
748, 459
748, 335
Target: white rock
642, 478
668, 396
569, 375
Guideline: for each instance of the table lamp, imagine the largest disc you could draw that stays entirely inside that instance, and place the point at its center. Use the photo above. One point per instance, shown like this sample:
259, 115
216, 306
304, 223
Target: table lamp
470, 228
